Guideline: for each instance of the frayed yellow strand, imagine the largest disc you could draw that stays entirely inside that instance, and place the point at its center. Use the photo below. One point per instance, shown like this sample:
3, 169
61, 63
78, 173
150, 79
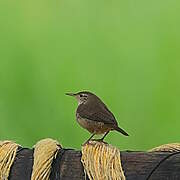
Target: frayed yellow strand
8, 151
102, 161
44, 153
173, 147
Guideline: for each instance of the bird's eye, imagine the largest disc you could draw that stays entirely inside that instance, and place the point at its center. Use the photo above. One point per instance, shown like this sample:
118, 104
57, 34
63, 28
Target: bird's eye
81, 95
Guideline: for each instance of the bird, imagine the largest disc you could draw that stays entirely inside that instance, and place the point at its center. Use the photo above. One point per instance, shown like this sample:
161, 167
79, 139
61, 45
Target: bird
93, 115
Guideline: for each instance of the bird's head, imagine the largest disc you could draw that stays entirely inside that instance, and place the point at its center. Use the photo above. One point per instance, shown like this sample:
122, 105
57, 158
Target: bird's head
82, 97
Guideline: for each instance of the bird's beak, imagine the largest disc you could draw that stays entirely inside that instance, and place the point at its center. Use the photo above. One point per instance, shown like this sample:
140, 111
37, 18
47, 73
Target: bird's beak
70, 94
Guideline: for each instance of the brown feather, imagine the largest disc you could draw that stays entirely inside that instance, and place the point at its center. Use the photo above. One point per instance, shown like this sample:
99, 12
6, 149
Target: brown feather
96, 110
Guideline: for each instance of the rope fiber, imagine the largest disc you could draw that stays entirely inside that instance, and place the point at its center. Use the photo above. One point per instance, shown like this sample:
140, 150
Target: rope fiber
45, 151
102, 161
8, 151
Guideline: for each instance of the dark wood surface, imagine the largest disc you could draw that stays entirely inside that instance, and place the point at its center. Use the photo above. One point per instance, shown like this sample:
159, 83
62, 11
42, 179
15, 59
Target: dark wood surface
67, 165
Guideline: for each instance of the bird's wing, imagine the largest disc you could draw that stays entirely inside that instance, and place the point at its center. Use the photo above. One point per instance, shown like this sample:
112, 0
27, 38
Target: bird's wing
97, 114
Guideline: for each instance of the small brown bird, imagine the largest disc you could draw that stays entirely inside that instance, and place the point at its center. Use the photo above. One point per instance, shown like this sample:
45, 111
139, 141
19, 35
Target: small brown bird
93, 115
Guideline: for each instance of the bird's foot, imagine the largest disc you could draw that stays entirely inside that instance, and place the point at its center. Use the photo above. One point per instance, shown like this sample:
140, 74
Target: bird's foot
100, 140
86, 142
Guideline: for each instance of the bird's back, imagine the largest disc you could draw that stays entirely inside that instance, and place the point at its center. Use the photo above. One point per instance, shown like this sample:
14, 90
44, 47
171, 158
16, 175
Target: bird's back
95, 110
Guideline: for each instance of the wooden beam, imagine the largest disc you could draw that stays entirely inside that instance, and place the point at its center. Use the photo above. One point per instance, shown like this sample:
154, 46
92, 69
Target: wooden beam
68, 166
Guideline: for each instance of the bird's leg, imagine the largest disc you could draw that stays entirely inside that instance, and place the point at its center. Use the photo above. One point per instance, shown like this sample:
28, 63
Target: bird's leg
89, 138
101, 140
104, 136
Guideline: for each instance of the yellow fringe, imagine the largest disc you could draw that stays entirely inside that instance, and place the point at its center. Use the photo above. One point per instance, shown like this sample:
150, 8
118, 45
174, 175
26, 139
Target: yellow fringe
7, 155
102, 161
44, 153
173, 147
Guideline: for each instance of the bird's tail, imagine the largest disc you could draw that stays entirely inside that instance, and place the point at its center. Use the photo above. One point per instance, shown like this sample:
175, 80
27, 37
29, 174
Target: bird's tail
121, 131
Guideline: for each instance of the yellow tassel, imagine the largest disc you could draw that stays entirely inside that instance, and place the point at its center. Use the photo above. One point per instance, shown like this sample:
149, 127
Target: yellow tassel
7, 155
173, 147
102, 161
44, 153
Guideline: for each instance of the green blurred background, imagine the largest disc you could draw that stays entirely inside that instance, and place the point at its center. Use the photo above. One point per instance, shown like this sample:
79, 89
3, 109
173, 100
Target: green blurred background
127, 52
